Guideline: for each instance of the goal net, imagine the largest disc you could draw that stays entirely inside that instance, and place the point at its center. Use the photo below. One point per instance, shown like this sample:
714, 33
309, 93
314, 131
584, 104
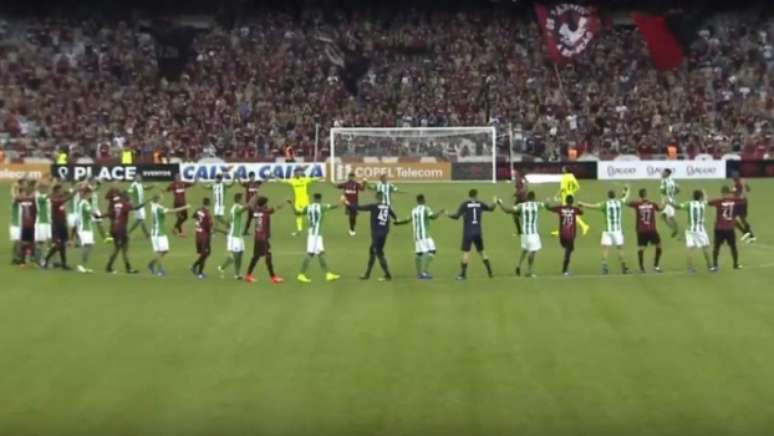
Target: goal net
412, 154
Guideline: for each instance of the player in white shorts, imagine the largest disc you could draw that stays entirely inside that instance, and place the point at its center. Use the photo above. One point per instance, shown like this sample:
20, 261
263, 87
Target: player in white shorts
219, 188
235, 242
159, 239
528, 212
696, 237
613, 235
137, 195
424, 246
315, 213
85, 230
670, 189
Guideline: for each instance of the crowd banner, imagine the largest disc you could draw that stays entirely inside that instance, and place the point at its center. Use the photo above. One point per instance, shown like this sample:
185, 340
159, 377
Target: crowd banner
241, 170
750, 168
24, 171
653, 169
115, 173
403, 171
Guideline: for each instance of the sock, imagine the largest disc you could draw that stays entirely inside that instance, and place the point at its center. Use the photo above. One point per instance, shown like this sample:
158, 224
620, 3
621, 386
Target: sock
227, 263
85, 251
428, 260
715, 254
658, 257
270, 265
488, 267
735, 255
323, 263
352, 221
566, 262
418, 261
112, 258
707, 258
371, 260
463, 269
299, 223
50, 254
383, 264
305, 264
641, 259
238, 263
251, 267
530, 262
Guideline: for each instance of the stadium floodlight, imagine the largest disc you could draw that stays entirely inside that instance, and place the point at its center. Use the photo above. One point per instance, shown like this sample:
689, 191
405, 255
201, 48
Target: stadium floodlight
412, 153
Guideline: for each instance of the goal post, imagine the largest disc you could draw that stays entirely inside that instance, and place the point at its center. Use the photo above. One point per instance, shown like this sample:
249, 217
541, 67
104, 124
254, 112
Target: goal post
413, 154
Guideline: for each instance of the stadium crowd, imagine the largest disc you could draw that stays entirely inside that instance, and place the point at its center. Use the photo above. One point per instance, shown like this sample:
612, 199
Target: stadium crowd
271, 80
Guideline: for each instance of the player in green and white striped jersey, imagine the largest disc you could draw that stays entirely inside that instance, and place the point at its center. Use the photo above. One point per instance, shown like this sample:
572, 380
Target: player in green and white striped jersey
670, 189
137, 196
159, 239
72, 209
97, 215
42, 220
85, 229
424, 246
315, 215
613, 235
386, 188
696, 237
529, 211
235, 239
219, 188
14, 230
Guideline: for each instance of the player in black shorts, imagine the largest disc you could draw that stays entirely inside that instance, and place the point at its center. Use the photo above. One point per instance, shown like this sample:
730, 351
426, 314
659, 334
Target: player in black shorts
471, 211
381, 214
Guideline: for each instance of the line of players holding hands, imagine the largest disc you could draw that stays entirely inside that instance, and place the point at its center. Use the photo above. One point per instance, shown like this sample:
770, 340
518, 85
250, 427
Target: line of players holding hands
46, 218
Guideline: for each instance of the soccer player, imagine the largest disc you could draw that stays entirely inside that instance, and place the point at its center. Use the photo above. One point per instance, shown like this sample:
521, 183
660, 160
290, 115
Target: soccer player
252, 186
521, 188
696, 235
300, 184
204, 227
613, 235
219, 188
569, 186
72, 211
472, 210
647, 233
725, 221
386, 188
97, 215
740, 192
262, 247
381, 214
178, 188
85, 228
14, 230
119, 219
352, 189
235, 242
669, 189
159, 239
42, 221
568, 218
530, 236
315, 214
60, 232
424, 246
137, 194
25, 205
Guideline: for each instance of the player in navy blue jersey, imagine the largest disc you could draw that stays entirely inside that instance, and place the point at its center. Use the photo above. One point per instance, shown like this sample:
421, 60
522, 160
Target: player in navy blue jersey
472, 211
381, 214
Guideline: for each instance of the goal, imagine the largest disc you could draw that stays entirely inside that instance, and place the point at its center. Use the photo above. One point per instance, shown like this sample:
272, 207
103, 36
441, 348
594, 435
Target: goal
413, 154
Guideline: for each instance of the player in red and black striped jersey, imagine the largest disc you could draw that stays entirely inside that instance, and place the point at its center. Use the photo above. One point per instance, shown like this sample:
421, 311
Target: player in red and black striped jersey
740, 193
725, 223
568, 226
178, 189
59, 231
352, 189
262, 213
204, 228
119, 219
252, 187
647, 233
521, 189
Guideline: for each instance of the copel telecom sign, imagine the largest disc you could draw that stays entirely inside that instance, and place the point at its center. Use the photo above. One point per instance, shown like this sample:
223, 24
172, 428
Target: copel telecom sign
639, 170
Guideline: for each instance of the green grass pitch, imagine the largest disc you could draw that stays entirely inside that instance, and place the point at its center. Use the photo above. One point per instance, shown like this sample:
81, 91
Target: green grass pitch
669, 354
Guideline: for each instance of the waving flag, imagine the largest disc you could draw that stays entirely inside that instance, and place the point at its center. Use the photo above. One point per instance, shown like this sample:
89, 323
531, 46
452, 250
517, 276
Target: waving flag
568, 29
664, 48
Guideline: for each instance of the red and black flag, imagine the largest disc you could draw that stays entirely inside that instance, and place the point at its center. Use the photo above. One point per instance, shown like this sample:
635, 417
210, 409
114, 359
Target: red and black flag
668, 36
568, 29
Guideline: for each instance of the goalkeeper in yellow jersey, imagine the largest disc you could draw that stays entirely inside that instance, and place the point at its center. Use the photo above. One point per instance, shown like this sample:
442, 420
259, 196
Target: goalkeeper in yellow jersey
569, 186
300, 184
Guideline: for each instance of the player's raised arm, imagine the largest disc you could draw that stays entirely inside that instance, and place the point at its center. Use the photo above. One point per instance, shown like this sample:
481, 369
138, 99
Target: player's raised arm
459, 213
402, 222
177, 209
435, 215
